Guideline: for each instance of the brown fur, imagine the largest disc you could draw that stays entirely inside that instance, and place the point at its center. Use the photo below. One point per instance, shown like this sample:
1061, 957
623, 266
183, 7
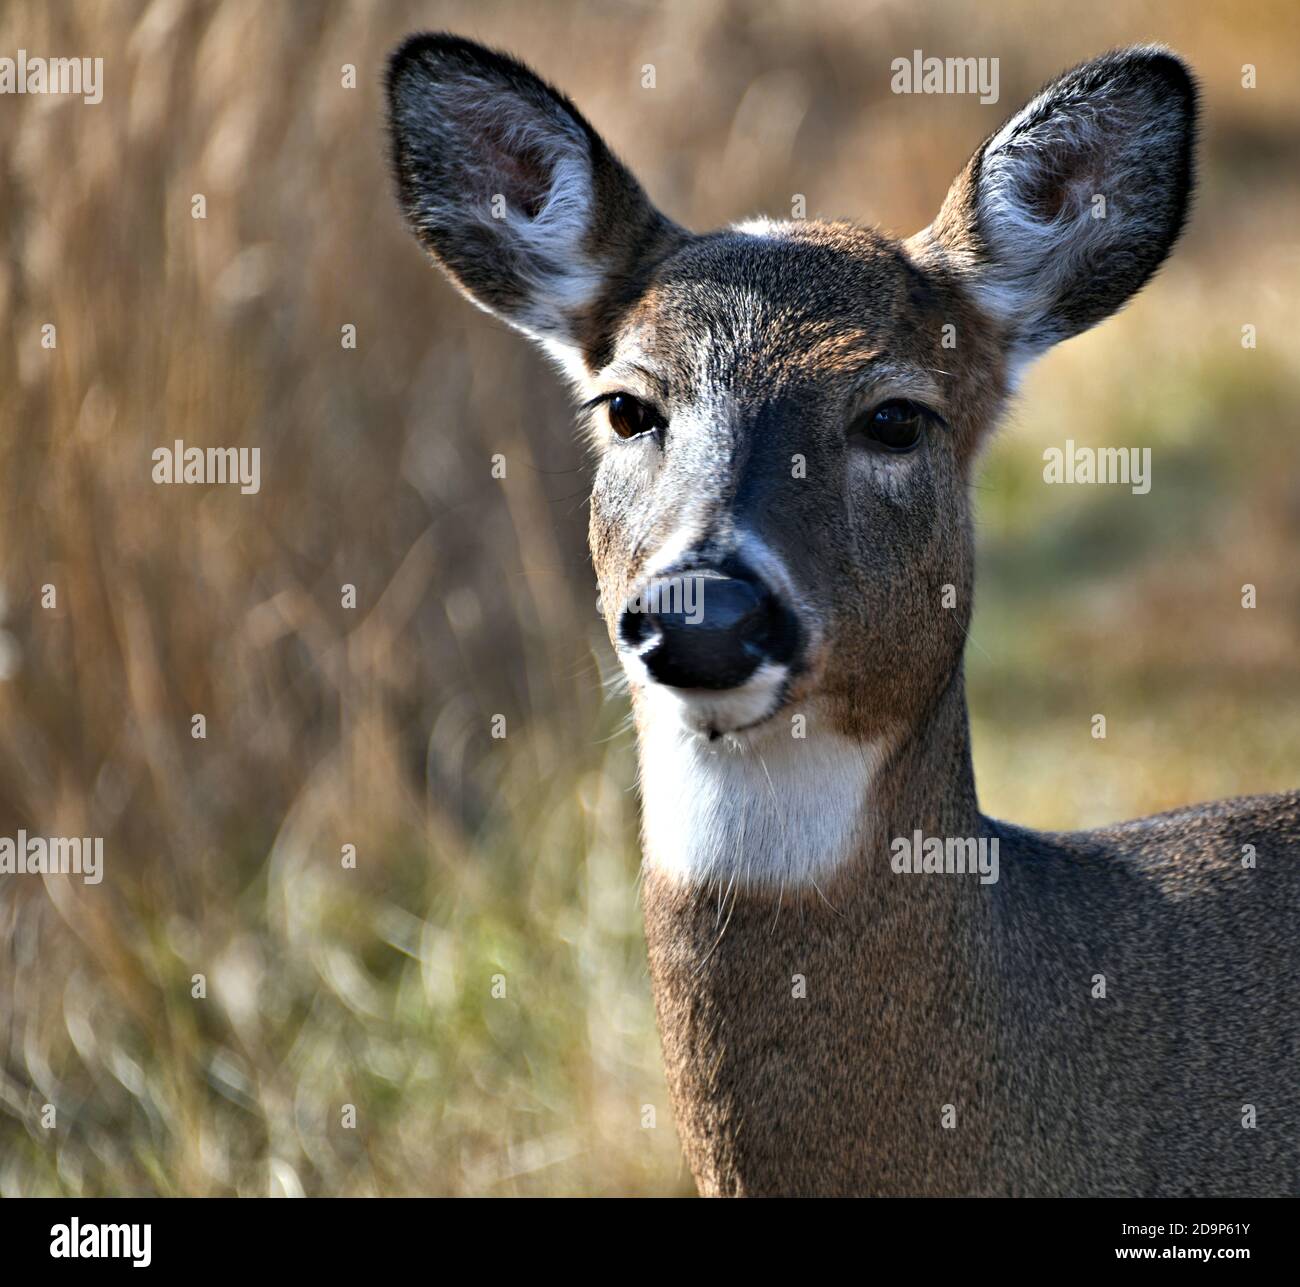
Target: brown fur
926, 992
926, 996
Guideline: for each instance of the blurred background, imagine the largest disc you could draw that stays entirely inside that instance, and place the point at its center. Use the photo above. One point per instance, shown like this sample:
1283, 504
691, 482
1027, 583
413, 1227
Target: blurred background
511, 864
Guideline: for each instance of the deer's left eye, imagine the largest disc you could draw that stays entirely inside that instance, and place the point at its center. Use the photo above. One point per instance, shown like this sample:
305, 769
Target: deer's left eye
896, 425
629, 417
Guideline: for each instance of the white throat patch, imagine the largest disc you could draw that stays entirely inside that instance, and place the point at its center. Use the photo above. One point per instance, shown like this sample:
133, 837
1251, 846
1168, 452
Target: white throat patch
763, 809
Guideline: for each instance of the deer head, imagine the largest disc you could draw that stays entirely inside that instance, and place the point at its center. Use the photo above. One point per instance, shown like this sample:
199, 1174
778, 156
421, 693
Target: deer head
787, 415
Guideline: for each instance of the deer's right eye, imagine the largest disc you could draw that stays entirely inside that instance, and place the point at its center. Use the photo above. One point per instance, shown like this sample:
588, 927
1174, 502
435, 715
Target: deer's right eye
629, 417
895, 426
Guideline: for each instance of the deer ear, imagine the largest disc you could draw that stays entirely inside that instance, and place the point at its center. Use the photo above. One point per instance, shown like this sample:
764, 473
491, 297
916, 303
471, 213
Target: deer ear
514, 194
1064, 213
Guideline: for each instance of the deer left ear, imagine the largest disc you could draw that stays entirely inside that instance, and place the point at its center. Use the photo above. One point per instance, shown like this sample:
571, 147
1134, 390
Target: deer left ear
1066, 212
515, 195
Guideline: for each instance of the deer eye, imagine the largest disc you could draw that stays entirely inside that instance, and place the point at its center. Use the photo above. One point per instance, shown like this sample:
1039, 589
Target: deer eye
629, 417
894, 426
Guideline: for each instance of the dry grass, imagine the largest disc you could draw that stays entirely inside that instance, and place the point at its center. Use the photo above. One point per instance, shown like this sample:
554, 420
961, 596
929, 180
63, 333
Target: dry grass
328, 726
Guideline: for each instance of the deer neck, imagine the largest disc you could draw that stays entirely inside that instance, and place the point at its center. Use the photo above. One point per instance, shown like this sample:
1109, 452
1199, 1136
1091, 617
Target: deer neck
807, 997
808, 808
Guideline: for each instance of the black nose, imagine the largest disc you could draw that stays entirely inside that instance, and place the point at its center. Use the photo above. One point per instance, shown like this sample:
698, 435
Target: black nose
703, 629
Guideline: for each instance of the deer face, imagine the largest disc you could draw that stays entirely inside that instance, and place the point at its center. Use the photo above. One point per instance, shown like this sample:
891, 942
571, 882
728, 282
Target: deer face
778, 517
786, 415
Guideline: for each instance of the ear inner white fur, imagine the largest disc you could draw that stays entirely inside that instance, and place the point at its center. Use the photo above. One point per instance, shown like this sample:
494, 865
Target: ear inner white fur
1071, 206
511, 191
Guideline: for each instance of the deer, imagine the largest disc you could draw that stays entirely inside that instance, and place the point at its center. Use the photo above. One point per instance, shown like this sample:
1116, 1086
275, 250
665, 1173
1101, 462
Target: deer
1117, 1012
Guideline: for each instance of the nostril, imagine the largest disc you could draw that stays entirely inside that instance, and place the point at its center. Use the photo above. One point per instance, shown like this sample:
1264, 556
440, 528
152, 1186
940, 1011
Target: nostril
757, 626
770, 632
634, 626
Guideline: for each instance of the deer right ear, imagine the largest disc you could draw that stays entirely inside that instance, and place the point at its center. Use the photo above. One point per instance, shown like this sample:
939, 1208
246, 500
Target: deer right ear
1070, 207
515, 195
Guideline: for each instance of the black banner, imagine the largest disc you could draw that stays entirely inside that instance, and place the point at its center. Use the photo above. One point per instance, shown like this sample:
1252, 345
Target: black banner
353, 1235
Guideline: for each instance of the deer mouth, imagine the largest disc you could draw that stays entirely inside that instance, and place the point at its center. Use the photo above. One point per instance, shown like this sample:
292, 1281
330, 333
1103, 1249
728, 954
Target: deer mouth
711, 714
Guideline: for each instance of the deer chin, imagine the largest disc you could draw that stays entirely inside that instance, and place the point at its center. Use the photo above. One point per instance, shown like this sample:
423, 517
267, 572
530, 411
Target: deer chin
717, 716
707, 714
761, 807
